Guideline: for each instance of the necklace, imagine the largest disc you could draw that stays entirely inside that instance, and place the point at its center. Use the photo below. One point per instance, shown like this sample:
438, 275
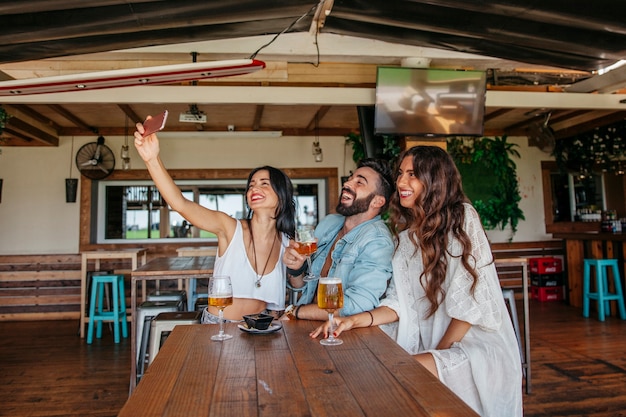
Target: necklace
260, 276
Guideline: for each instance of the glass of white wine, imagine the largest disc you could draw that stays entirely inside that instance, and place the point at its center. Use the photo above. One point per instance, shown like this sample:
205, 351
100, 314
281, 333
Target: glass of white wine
330, 298
307, 245
220, 296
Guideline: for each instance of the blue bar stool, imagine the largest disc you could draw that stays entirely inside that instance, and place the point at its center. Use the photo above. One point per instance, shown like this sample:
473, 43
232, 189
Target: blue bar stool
117, 314
602, 294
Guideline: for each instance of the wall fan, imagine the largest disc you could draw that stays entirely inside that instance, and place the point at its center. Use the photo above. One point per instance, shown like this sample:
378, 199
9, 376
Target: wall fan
541, 135
95, 160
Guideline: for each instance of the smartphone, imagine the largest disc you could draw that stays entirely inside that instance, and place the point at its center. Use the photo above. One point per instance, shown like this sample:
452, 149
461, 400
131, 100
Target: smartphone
155, 124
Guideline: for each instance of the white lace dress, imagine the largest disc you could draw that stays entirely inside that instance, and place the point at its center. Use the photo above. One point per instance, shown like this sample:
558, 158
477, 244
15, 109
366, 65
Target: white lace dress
484, 369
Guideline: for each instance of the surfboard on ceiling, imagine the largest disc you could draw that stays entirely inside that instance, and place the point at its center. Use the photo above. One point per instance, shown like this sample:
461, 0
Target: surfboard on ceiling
130, 77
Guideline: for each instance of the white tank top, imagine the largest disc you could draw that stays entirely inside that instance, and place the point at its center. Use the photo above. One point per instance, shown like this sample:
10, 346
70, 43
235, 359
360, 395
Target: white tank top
234, 262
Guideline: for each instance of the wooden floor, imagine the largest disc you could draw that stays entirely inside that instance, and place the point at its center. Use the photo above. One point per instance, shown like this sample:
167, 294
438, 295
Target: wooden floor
578, 368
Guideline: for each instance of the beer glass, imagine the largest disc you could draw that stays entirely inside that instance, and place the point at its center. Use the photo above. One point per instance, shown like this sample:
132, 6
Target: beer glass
330, 298
305, 237
220, 296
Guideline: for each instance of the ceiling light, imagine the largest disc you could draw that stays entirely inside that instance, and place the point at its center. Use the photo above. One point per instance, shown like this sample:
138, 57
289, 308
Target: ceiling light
317, 151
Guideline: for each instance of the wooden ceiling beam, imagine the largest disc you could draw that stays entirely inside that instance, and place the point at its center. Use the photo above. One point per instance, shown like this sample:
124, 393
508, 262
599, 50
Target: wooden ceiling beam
25, 130
130, 113
72, 118
258, 115
319, 115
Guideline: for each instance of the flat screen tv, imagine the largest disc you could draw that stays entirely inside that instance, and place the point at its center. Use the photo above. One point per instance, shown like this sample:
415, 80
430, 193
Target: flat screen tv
429, 102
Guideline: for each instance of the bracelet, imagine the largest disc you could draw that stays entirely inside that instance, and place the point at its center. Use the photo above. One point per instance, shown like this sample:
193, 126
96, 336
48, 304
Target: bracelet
297, 272
371, 318
295, 313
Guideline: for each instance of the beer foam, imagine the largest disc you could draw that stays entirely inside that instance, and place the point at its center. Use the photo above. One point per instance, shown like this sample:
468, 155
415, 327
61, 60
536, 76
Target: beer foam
330, 280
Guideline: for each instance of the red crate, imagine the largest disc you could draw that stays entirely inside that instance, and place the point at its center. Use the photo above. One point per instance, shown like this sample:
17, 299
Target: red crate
547, 293
547, 265
546, 280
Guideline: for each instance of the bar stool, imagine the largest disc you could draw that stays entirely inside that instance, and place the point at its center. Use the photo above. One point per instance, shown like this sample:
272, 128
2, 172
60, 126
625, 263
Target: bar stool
509, 298
602, 294
201, 303
117, 314
167, 295
145, 313
163, 324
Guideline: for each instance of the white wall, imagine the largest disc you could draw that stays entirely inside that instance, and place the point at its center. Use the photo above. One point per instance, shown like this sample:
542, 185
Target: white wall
35, 219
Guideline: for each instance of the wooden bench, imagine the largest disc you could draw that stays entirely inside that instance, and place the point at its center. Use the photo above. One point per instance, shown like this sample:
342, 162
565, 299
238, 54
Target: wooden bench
43, 287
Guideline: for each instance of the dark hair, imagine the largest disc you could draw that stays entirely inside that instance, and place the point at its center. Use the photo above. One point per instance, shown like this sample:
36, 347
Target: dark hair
385, 185
286, 210
437, 216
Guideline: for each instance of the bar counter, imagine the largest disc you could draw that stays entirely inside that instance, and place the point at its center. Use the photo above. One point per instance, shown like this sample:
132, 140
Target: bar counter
594, 245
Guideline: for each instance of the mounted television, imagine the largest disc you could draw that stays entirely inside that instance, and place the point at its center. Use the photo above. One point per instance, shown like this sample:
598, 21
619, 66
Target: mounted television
429, 102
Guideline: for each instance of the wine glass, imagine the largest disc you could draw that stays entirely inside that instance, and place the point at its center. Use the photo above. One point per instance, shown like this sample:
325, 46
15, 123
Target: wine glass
220, 296
307, 245
330, 298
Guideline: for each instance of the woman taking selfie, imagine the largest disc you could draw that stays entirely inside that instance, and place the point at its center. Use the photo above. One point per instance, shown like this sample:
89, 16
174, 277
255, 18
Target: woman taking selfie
249, 250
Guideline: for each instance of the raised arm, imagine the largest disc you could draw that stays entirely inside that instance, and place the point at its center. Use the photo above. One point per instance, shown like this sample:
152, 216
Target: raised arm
213, 221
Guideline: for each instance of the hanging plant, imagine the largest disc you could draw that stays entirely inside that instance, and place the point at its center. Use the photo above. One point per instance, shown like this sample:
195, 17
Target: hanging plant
601, 149
489, 178
4, 116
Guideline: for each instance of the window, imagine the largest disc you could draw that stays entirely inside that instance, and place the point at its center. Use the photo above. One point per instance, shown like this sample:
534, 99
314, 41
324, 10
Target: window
133, 210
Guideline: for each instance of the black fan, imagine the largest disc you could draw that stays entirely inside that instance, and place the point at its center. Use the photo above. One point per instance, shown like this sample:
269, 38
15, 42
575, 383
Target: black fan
95, 160
542, 136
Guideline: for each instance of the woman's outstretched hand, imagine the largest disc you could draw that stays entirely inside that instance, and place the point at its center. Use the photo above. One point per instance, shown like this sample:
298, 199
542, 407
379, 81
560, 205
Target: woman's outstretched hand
147, 147
340, 324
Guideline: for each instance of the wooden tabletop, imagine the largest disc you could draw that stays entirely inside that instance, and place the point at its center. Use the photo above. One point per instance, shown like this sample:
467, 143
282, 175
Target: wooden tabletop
176, 265
287, 373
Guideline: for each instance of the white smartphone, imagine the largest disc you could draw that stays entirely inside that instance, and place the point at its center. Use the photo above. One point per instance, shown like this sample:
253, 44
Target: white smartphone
154, 124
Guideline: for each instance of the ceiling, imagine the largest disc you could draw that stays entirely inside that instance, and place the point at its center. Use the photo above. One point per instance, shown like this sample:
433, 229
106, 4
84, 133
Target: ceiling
541, 59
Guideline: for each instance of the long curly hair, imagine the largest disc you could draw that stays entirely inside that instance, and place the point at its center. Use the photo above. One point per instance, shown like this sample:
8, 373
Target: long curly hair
286, 210
437, 216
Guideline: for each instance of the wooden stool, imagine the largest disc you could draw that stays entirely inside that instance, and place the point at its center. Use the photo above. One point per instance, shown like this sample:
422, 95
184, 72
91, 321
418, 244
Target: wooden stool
117, 314
146, 312
509, 298
602, 294
163, 324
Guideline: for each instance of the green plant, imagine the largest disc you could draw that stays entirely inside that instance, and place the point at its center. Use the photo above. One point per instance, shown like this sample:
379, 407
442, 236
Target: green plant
4, 116
489, 179
386, 146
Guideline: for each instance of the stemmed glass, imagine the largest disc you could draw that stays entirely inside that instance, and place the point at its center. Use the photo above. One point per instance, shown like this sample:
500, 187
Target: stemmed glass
330, 298
220, 296
307, 245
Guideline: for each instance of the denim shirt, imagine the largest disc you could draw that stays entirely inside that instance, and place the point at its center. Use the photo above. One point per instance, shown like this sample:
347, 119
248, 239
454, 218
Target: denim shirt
362, 259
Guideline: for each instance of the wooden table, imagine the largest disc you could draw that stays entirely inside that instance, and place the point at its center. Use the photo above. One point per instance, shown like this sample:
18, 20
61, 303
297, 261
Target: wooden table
522, 263
174, 268
287, 373
134, 254
191, 284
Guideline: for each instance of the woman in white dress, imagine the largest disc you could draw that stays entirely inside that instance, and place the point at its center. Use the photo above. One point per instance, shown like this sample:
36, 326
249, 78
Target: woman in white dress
444, 304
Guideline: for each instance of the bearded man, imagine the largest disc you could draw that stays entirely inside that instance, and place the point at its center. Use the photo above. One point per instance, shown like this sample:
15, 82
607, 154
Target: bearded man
354, 244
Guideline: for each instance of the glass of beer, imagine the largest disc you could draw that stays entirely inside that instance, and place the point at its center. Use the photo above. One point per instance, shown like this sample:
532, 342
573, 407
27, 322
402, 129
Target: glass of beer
220, 296
330, 298
307, 245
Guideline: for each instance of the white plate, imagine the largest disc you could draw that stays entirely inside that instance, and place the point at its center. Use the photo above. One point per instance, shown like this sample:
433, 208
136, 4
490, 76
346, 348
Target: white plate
271, 329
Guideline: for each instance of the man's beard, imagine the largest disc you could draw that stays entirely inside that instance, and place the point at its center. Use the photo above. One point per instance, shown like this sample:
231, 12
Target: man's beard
358, 206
